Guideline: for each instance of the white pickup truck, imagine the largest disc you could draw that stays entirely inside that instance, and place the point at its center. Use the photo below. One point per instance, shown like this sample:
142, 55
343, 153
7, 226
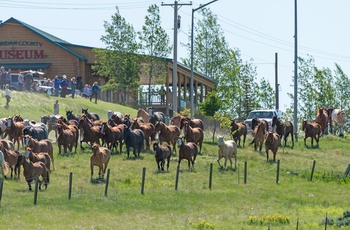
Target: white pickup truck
264, 114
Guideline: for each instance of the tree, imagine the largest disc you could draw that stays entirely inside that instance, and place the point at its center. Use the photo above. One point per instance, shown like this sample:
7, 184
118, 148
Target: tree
267, 98
342, 90
155, 46
210, 46
211, 104
120, 62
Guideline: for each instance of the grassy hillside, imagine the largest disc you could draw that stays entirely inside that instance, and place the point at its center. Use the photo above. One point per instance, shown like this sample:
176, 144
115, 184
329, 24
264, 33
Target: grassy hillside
229, 204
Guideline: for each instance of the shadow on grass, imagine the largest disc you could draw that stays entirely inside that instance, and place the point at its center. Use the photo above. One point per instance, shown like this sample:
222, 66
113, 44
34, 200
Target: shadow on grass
97, 180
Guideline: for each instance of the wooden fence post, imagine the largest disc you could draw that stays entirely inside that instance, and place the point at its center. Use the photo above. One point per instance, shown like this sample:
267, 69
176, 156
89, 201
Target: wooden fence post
143, 180
177, 176
107, 182
70, 185
210, 175
1, 186
245, 172
278, 172
313, 169
347, 171
36, 190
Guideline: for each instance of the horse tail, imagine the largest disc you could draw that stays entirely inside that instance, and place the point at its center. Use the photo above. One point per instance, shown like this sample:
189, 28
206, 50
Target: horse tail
252, 141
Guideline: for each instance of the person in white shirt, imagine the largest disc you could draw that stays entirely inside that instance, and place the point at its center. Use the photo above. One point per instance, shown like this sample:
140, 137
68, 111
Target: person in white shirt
7, 94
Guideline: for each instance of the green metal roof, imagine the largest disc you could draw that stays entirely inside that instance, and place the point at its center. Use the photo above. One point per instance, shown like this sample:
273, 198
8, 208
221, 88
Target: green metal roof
25, 66
55, 40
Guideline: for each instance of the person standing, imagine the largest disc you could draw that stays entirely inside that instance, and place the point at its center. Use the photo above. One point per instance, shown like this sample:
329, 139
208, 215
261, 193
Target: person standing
94, 90
56, 85
8, 76
2, 77
20, 82
64, 86
7, 94
73, 85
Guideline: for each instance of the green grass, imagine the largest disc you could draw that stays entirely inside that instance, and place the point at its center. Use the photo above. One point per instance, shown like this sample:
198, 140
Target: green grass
227, 205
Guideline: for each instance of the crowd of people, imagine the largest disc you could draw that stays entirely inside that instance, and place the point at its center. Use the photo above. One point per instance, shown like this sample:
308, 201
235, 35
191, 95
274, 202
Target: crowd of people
59, 84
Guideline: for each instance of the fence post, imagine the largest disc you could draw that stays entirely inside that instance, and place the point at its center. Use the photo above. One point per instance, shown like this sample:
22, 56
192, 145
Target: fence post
238, 173
143, 180
177, 176
297, 224
278, 172
70, 185
313, 169
347, 171
107, 182
36, 190
1, 186
245, 172
210, 175
325, 224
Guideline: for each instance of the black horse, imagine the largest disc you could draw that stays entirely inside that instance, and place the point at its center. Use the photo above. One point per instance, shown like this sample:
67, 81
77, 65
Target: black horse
71, 116
133, 138
37, 132
283, 129
91, 116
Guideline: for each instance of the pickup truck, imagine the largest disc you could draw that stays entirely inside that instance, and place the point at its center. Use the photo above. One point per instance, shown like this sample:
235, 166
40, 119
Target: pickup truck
265, 114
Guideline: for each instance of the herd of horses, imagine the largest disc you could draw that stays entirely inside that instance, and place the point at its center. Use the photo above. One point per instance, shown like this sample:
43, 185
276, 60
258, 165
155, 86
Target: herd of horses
184, 136
103, 137
326, 119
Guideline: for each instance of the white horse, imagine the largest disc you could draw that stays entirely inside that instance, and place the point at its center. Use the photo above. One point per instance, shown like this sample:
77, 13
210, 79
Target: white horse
337, 116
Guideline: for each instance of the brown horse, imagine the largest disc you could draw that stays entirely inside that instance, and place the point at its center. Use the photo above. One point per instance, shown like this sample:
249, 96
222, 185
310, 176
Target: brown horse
322, 119
143, 114
187, 151
167, 133
312, 130
91, 133
147, 128
283, 129
256, 121
112, 135
259, 136
180, 120
271, 143
238, 130
195, 135
40, 146
15, 131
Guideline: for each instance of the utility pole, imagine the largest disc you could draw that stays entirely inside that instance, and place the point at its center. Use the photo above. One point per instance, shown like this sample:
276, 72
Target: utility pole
176, 7
276, 81
295, 71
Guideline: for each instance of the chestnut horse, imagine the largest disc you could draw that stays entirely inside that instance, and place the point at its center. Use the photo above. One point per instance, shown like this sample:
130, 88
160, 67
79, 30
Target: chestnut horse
179, 122
187, 151
322, 119
238, 130
194, 135
151, 117
312, 130
15, 131
147, 128
259, 136
167, 133
283, 129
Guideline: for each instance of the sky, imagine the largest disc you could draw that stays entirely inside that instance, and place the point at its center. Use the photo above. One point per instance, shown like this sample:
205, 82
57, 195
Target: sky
258, 28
